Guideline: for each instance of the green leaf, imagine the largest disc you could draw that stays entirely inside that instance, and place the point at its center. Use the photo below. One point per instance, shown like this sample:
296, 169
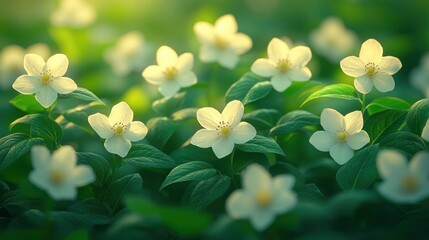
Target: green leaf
387, 103
261, 144
82, 94
181, 220
360, 172
166, 106
418, 116
262, 118
406, 142
195, 170
184, 114
119, 188
207, 191
189, 152
147, 157
309, 192
94, 210
160, 131
383, 123
249, 88
13, 146
27, 103
98, 163
337, 91
348, 202
79, 115
293, 121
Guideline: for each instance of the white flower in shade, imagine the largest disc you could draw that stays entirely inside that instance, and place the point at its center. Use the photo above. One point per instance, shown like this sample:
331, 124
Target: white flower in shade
403, 182
222, 130
262, 197
45, 79
172, 72
420, 76
342, 134
118, 129
333, 40
221, 42
371, 68
283, 65
73, 13
425, 133
58, 174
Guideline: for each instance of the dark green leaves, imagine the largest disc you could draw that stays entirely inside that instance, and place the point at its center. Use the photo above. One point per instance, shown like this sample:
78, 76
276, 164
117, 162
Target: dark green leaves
166, 106
98, 163
127, 184
13, 146
406, 142
27, 103
383, 123
160, 130
81, 94
338, 91
148, 157
196, 170
207, 191
387, 103
293, 121
418, 116
249, 88
261, 144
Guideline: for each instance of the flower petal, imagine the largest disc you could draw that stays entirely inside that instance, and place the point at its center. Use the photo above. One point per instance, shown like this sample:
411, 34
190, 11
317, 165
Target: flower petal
82, 175
358, 140
299, 74
383, 82
46, 96
323, 141
419, 165
353, 66
100, 123
166, 57
261, 219
40, 178
121, 113
280, 82
277, 50
169, 88
226, 24
228, 59
209, 117
33, 64
186, 79
204, 32
256, 178
354, 122
300, 56
223, 147
283, 201
283, 182
117, 145
371, 51
57, 65
263, 67
62, 192
363, 84
154, 75
204, 138
64, 159
425, 132
331, 120
233, 112
243, 133
208, 54
26, 84
136, 131
390, 65
241, 43
390, 163
40, 158
341, 153
185, 62
240, 204
63, 85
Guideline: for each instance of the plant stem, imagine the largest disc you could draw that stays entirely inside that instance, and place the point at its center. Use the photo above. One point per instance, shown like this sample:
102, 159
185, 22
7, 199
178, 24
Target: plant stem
363, 102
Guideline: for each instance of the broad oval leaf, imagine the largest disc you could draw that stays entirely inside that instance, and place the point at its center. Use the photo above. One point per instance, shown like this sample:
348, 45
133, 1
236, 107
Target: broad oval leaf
166, 106
262, 118
209, 190
406, 142
27, 103
127, 184
79, 115
383, 123
248, 88
418, 115
160, 131
338, 91
98, 163
196, 170
148, 157
293, 121
81, 94
261, 144
387, 103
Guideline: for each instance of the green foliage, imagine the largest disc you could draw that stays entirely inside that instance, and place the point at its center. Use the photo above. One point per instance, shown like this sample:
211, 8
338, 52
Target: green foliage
147, 157
261, 144
418, 116
121, 187
27, 103
249, 88
166, 107
336, 91
81, 94
406, 142
387, 103
160, 131
293, 121
205, 192
188, 172
383, 123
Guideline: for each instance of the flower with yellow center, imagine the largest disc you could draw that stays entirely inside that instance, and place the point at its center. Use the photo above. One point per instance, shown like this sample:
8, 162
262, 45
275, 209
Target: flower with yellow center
172, 72
342, 134
283, 65
118, 129
371, 68
45, 79
403, 182
222, 130
58, 174
262, 197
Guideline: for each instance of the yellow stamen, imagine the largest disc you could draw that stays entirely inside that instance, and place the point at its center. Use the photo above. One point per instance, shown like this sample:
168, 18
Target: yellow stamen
263, 198
170, 73
283, 65
342, 136
220, 42
225, 131
119, 130
46, 79
57, 176
371, 68
410, 183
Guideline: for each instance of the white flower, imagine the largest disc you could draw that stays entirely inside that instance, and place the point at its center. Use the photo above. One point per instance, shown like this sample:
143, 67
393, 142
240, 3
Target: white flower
333, 40
222, 130
172, 72
283, 65
58, 174
425, 132
73, 13
371, 68
342, 134
45, 79
118, 129
420, 76
403, 182
220, 42
262, 197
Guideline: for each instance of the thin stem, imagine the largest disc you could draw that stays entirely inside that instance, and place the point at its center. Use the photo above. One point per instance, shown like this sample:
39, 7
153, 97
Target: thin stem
363, 103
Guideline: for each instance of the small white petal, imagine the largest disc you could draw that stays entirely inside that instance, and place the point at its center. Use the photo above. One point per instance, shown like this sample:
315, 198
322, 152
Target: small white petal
186, 79
264, 67
371, 51
233, 112
46, 96
62, 192
240, 204
261, 219
243, 133
117, 145
363, 84
353, 66
277, 50
392, 189
40, 157
100, 123
390, 163
354, 122
331, 120
255, 179
82, 175
40, 178
154, 75
204, 138
26, 84
323, 141
283, 182
136, 131
209, 117
283, 201
33, 64
281, 82
204, 32
299, 74
341, 153
208, 54
383, 82
241, 43
425, 132
169, 88
358, 140
63, 85
185, 62
64, 159
166, 57
226, 24
57, 65
223, 147
121, 113
419, 165
228, 59
299, 56
390, 65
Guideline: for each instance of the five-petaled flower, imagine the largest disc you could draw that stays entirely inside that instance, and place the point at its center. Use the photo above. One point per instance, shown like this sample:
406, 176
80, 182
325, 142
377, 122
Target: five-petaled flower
403, 182
45, 79
221, 42
172, 72
425, 132
118, 129
58, 174
283, 65
222, 130
262, 197
342, 134
371, 68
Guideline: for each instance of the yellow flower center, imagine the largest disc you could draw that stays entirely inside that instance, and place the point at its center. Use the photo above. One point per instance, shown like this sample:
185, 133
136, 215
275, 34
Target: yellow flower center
410, 183
263, 198
57, 176
170, 73
371, 68
46, 78
220, 42
342, 135
283, 65
223, 129
119, 129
